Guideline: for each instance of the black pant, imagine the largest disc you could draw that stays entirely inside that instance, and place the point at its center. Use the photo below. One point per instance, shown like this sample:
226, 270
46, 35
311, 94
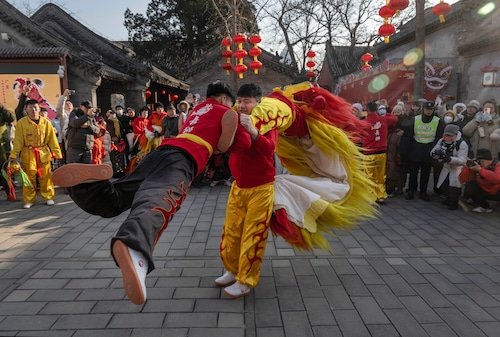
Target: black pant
425, 171
154, 192
480, 196
79, 156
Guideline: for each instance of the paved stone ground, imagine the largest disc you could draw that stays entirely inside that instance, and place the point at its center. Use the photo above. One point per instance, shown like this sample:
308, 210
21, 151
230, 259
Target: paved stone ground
417, 270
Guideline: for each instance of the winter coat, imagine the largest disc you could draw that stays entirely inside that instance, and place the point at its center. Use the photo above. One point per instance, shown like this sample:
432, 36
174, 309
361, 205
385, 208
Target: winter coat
79, 137
471, 131
454, 167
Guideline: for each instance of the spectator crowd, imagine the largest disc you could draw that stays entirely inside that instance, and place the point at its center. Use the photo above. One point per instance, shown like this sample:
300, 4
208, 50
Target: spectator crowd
407, 146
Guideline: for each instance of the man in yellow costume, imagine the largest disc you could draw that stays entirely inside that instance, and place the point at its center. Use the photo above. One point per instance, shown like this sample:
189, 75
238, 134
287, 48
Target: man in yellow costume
250, 203
35, 144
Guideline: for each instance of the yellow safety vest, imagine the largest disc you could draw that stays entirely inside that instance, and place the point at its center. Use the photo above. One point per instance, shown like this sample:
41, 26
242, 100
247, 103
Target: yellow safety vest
425, 133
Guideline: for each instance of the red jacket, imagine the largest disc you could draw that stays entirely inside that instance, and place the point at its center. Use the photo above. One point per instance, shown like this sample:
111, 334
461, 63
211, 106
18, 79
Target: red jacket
376, 140
255, 166
489, 180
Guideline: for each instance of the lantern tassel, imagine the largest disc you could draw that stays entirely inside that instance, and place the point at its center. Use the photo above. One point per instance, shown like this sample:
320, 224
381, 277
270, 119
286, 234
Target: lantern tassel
441, 19
386, 39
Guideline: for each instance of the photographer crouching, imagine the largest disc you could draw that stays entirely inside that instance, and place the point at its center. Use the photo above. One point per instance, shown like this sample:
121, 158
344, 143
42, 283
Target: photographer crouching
451, 151
483, 180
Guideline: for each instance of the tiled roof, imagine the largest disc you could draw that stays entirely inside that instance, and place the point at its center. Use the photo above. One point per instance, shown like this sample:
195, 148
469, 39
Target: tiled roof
341, 61
33, 52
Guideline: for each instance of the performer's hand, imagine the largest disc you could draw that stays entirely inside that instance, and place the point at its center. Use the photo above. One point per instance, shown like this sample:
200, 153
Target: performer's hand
247, 123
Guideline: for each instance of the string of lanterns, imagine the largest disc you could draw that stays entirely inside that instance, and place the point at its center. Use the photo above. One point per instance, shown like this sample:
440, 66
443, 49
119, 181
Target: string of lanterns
311, 65
393, 7
239, 54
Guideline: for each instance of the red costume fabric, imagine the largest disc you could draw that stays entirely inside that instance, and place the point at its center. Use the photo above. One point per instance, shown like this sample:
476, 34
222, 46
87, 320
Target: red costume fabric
255, 166
155, 119
376, 139
199, 125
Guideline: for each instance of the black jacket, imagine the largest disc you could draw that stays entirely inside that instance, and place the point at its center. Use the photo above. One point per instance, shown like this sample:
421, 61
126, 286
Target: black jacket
77, 136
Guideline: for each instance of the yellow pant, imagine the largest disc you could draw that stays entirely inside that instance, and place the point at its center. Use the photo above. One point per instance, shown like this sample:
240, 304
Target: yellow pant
46, 185
245, 231
375, 169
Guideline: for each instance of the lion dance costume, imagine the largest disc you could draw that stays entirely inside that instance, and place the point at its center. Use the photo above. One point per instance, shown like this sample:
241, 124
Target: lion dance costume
327, 188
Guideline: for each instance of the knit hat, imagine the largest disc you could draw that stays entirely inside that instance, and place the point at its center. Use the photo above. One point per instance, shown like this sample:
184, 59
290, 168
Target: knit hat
451, 130
450, 112
182, 102
357, 106
462, 105
474, 104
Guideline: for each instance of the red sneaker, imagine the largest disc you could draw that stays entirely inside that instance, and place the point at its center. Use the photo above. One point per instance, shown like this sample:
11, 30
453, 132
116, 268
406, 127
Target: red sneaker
73, 174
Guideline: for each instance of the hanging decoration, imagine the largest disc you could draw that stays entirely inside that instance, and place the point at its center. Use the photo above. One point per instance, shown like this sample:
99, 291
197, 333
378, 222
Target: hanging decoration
147, 93
398, 5
366, 58
441, 10
255, 52
239, 54
310, 64
226, 42
387, 29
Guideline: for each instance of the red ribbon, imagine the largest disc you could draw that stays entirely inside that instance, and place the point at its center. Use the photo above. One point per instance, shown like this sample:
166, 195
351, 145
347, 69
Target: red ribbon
39, 168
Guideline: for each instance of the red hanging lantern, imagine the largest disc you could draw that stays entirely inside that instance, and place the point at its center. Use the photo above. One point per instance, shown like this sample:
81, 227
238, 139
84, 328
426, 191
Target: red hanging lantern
175, 98
441, 10
163, 92
255, 52
239, 55
311, 64
255, 66
240, 69
255, 39
366, 57
386, 30
147, 93
311, 54
366, 68
239, 38
310, 74
226, 42
386, 12
399, 5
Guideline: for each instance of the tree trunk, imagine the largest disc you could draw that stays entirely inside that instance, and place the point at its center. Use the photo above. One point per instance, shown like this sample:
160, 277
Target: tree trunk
418, 90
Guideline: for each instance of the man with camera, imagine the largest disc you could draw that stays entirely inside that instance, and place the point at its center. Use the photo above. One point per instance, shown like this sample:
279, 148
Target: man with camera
80, 135
483, 180
452, 153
